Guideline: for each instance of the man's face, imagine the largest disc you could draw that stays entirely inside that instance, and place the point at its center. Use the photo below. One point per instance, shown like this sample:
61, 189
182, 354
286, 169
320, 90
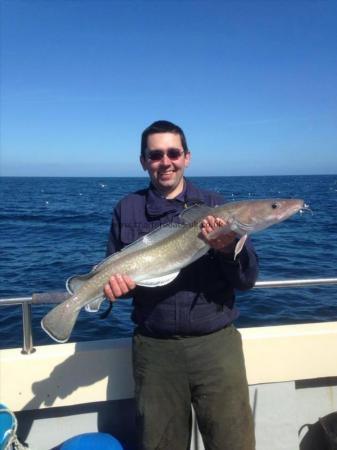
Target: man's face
167, 173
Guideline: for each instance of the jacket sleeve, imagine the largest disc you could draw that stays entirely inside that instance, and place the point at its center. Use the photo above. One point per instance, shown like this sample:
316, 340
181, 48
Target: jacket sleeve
243, 272
114, 242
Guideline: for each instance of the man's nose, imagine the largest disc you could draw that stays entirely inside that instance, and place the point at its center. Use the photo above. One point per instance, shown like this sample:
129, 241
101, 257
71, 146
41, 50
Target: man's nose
165, 160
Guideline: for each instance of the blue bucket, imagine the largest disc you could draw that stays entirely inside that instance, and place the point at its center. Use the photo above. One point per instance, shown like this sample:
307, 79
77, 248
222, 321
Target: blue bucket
7, 425
90, 441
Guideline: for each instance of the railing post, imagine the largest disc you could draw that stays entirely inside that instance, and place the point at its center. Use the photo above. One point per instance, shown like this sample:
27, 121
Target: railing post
27, 329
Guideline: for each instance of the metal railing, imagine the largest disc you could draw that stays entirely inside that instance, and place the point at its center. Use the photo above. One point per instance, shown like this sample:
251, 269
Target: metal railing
58, 297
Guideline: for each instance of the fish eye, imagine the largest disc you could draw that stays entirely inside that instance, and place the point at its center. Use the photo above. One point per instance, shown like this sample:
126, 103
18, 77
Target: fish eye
274, 205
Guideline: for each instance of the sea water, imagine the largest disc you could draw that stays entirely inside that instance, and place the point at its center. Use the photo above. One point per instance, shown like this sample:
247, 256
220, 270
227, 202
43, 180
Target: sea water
52, 228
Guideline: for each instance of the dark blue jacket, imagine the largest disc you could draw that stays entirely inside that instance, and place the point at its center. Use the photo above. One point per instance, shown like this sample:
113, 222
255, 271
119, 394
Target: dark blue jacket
201, 299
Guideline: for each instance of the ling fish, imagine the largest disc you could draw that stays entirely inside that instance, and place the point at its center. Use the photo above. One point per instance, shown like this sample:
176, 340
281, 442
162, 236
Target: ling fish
157, 258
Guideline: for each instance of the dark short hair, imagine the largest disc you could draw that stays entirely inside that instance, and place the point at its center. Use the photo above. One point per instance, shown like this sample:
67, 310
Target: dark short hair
162, 126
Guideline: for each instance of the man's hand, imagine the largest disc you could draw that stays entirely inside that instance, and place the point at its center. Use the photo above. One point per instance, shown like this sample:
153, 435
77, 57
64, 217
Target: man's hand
117, 286
224, 242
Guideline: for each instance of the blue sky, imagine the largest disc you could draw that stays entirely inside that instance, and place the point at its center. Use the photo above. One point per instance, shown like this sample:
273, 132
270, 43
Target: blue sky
253, 84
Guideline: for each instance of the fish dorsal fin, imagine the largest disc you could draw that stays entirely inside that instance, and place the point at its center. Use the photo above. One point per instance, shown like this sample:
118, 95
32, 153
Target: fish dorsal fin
74, 283
195, 213
158, 281
147, 240
139, 244
159, 234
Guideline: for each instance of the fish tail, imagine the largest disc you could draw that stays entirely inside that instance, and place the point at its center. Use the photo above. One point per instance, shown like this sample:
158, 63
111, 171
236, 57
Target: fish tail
60, 321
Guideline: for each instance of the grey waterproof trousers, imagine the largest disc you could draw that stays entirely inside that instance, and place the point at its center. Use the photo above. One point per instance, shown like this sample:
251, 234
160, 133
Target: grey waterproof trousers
206, 371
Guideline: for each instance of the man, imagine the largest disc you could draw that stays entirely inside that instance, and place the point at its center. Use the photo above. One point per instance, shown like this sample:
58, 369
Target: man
185, 348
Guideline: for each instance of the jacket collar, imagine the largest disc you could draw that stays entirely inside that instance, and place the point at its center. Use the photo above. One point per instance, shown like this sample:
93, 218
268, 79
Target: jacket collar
157, 205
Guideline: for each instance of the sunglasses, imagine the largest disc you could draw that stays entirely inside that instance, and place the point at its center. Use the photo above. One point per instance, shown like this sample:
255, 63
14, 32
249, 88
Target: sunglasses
171, 153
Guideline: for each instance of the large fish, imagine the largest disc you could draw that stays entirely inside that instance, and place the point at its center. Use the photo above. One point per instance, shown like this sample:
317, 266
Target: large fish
157, 258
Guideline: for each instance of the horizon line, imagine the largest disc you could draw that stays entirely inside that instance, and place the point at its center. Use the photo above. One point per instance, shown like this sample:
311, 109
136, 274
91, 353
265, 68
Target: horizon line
190, 176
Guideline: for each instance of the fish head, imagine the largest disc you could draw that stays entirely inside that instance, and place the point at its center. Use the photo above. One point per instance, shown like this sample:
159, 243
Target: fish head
250, 216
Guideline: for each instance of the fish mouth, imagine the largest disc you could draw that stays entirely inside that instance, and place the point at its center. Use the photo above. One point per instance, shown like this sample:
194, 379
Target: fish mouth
297, 206
291, 207
306, 208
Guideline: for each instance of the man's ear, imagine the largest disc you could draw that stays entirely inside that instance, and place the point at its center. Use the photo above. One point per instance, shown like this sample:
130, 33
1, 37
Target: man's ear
143, 162
187, 159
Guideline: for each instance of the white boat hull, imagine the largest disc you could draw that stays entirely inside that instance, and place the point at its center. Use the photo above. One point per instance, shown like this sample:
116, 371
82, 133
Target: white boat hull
292, 373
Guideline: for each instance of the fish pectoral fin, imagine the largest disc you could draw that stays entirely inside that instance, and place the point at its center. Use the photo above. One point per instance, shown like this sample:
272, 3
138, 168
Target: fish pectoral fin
158, 281
94, 305
239, 245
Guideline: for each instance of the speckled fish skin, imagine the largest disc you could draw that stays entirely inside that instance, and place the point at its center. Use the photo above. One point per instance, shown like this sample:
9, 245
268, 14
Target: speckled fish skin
168, 256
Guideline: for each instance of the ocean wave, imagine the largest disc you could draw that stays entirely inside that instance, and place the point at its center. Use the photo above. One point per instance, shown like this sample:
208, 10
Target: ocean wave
52, 217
